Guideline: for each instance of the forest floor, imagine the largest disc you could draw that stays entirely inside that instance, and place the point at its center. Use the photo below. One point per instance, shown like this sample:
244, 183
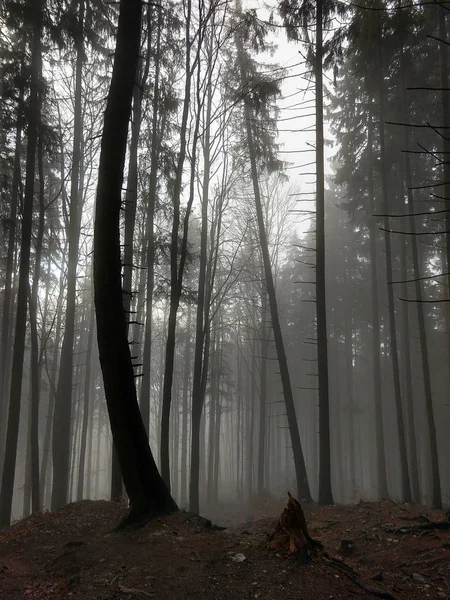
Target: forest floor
70, 554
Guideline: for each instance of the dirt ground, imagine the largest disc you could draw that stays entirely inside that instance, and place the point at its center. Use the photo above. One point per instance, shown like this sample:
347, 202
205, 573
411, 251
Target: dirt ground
71, 554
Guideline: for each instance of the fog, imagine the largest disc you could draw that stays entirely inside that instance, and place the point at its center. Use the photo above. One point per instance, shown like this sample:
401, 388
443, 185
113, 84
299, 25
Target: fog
270, 276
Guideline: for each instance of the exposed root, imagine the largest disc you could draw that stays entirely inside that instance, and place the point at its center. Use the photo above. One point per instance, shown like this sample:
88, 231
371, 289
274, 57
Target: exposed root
346, 570
291, 535
421, 527
138, 517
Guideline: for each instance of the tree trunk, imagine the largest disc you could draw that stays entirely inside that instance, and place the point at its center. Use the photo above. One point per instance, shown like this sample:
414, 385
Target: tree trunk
325, 491
299, 461
146, 490
150, 254
185, 409
263, 391
201, 322
35, 358
51, 376
63, 402
424, 355
175, 287
86, 402
212, 425
376, 345
409, 395
404, 474
348, 350
7, 294
9, 469
251, 375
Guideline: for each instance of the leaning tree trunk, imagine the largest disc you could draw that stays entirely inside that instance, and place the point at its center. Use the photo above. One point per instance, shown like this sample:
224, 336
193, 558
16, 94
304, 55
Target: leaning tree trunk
9, 468
146, 490
130, 219
299, 461
325, 491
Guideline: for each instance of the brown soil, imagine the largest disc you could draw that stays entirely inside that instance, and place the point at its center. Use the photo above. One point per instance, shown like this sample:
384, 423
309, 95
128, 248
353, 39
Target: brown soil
70, 555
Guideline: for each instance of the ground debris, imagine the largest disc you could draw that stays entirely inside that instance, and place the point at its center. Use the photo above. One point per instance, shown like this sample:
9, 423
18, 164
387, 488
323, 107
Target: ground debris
188, 559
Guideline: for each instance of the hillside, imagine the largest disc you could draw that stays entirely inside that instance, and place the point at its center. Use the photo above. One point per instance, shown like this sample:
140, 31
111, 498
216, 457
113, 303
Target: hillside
71, 554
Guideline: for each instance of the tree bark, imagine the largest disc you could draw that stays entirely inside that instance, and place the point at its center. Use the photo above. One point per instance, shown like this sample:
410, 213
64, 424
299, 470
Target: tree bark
263, 391
299, 461
185, 411
86, 401
147, 491
8, 293
63, 402
325, 491
201, 322
7, 487
175, 287
150, 253
404, 474
375, 314
35, 358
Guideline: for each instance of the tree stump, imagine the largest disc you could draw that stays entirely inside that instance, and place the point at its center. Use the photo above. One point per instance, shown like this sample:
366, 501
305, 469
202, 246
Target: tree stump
291, 533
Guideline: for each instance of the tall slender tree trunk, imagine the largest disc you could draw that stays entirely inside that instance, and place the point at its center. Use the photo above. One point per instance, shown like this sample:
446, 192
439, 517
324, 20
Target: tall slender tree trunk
35, 358
175, 288
325, 491
424, 354
51, 376
150, 253
201, 320
212, 422
185, 410
263, 391
431, 423
409, 396
147, 491
445, 106
8, 275
303, 490
63, 402
404, 474
9, 469
86, 401
251, 421
348, 350
375, 315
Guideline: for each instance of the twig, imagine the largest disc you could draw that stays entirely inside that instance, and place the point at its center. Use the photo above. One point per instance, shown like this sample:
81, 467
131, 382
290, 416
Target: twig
348, 572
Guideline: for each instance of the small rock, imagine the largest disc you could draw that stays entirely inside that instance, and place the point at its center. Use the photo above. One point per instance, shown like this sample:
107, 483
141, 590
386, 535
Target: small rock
238, 558
378, 576
347, 546
418, 578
